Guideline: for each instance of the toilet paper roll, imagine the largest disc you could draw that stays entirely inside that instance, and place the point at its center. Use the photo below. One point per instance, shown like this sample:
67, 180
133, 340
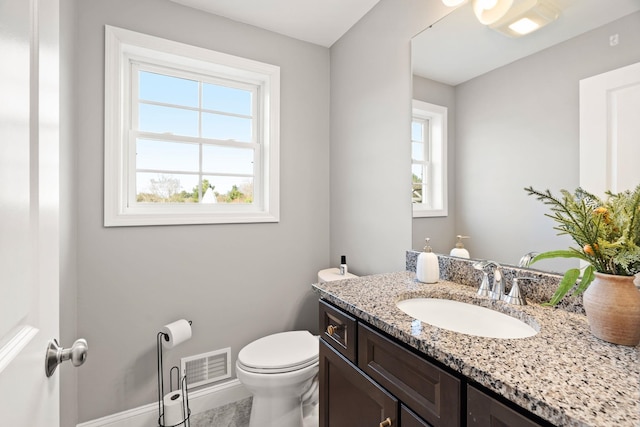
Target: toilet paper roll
176, 332
173, 409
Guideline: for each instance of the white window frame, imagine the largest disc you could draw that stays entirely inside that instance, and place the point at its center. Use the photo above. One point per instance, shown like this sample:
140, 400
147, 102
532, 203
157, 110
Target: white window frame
434, 201
124, 47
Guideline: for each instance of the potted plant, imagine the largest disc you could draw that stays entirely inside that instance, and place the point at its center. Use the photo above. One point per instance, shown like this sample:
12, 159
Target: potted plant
607, 234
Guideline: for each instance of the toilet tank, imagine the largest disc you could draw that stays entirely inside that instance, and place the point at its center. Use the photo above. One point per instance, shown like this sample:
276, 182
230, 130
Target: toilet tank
331, 274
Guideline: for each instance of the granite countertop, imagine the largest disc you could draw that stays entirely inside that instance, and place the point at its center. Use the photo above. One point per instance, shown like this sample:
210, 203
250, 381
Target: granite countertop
563, 374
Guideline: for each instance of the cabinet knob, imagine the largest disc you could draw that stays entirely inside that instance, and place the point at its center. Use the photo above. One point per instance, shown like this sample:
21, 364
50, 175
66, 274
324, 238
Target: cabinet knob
386, 423
331, 329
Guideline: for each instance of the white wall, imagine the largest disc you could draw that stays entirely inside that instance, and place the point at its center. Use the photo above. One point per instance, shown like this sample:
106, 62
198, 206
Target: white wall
235, 282
519, 126
370, 134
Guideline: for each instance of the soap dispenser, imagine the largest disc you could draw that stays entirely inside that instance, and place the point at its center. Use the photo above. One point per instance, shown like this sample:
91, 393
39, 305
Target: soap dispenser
427, 268
460, 251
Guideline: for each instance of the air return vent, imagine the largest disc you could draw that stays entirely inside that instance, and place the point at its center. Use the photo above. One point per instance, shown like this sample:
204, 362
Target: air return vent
207, 368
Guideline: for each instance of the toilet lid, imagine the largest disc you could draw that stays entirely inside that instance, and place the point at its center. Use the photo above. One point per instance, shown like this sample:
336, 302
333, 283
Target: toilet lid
283, 352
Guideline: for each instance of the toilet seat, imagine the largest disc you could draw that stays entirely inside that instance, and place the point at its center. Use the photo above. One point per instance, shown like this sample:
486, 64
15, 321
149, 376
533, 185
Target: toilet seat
279, 353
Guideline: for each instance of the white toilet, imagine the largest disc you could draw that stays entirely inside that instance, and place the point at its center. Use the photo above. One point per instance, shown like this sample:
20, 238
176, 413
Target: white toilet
278, 369
281, 371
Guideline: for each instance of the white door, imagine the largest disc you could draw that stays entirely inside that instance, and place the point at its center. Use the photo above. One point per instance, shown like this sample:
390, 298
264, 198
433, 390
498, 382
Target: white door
28, 210
610, 130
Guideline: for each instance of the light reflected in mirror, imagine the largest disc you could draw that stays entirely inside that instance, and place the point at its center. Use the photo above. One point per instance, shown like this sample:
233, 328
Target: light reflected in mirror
514, 119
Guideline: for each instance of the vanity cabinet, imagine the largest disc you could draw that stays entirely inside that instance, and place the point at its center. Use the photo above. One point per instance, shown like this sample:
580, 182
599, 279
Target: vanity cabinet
410, 418
369, 379
349, 398
484, 410
429, 391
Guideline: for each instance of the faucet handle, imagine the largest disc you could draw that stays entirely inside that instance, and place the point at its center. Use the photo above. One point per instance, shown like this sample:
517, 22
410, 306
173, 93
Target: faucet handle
515, 297
484, 290
497, 292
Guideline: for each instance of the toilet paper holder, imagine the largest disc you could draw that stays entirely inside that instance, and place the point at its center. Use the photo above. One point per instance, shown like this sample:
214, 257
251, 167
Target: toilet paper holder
180, 382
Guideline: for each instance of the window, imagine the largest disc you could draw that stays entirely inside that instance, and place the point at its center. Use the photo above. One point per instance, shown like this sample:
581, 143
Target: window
191, 135
429, 159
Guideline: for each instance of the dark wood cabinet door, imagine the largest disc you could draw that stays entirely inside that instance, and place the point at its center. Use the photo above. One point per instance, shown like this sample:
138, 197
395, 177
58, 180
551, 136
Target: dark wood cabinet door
348, 398
485, 411
429, 391
408, 418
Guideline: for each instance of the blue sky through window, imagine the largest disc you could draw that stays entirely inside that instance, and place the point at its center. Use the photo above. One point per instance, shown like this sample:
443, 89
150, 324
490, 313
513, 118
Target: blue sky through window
167, 89
227, 99
170, 106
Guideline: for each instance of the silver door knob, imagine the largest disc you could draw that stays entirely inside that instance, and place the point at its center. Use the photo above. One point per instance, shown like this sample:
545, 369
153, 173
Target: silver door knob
56, 355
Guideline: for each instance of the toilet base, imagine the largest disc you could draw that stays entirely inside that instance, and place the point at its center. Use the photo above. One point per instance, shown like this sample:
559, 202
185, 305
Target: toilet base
275, 412
284, 414
278, 398
311, 415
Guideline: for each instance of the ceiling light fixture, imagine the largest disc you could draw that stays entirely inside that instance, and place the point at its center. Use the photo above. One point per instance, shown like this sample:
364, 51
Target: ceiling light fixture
526, 17
490, 11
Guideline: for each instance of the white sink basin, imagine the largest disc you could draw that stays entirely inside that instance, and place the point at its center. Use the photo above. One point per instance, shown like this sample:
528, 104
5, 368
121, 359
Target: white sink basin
465, 318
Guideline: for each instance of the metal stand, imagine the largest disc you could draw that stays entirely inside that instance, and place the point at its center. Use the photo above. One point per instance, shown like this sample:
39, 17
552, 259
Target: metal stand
186, 412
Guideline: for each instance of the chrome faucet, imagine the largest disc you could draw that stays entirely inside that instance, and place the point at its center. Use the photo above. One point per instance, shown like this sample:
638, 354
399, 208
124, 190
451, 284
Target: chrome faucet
526, 259
496, 291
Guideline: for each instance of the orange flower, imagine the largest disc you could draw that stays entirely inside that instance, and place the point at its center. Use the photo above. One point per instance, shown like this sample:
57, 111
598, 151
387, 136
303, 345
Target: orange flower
602, 211
589, 250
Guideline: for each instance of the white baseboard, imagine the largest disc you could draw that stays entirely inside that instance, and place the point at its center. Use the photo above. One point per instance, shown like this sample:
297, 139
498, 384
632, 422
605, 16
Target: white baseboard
199, 401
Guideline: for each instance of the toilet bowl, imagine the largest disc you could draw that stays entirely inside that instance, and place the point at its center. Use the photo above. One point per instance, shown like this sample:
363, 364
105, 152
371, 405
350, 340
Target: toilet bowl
280, 370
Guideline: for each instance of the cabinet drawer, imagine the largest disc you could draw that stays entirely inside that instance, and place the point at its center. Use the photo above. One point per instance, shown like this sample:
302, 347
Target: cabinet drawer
339, 330
429, 391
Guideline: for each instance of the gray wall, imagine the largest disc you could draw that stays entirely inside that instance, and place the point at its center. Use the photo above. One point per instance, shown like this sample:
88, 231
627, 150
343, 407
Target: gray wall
441, 230
519, 126
370, 134
235, 282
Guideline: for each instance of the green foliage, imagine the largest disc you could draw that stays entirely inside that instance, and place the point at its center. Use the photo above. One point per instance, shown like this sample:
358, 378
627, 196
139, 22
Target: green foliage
607, 233
165, 189
237, 195
568, 282
204, 186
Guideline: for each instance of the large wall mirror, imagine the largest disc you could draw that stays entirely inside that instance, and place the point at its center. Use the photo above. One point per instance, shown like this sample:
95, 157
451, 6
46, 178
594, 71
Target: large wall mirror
514, 119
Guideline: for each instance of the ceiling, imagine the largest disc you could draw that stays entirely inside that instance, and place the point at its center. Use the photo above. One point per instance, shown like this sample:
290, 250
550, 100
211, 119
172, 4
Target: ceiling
321, 22
458, 48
